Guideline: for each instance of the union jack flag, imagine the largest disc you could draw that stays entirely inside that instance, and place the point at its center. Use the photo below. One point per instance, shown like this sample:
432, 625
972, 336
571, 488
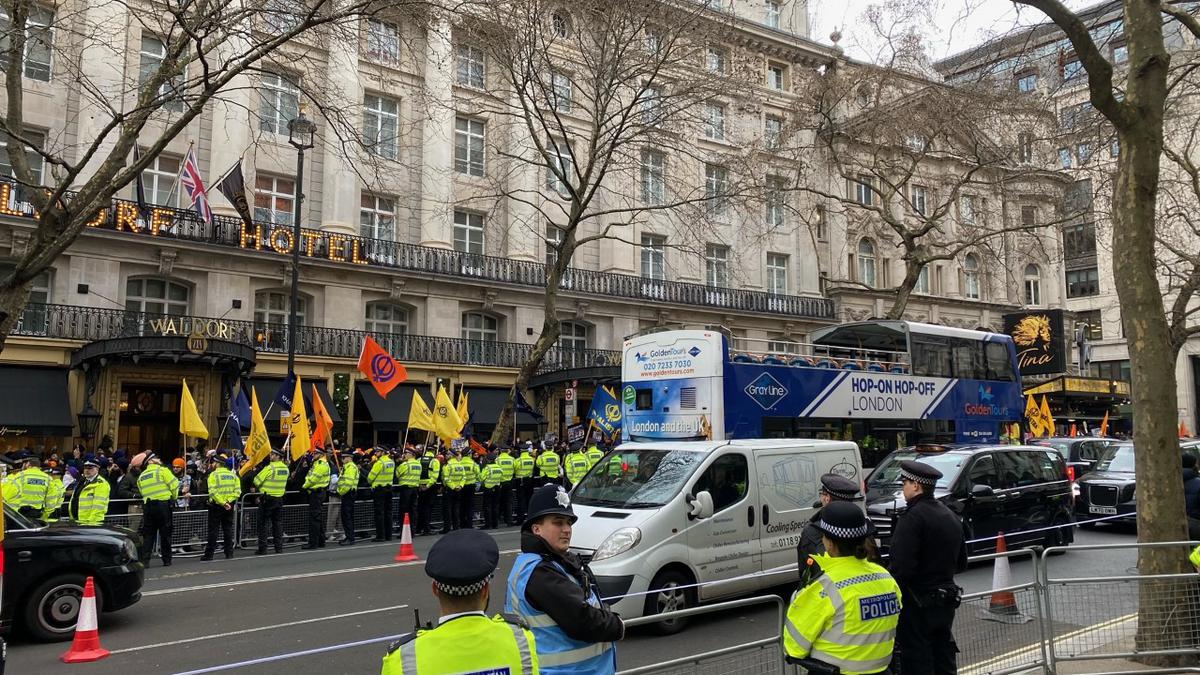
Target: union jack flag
194, 184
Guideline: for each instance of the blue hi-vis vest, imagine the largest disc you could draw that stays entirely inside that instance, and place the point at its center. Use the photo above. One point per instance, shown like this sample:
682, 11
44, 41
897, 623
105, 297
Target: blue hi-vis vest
558, 654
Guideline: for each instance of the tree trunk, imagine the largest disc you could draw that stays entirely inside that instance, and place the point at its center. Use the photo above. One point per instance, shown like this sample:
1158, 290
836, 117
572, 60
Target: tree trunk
912, 273
13, 297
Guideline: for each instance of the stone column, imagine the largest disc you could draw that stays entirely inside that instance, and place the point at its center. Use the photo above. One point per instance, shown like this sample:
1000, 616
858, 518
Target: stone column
437, 137
233, 124
102, 64
525, 227
340, 198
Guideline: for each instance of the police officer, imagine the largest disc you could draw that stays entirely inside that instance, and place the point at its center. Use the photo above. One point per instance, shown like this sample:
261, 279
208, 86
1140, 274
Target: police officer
383, 472
922, 563
32, 485
451, 485
504, 492
347, 489
556, 594
466, 496
158, 487
834, 488
56, 491
548, 466
492, 477
89, 501
594, 455
856, 599
427, 487
408, 477
316, 491
224, 488
272, 483
466, 640
523, 475
577, 465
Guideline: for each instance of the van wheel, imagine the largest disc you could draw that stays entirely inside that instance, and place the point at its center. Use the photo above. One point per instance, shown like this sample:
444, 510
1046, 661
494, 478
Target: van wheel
669, 596
52, 608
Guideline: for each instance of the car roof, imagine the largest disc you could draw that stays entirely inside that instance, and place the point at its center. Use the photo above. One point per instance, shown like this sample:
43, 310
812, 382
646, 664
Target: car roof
969, 449
749, 444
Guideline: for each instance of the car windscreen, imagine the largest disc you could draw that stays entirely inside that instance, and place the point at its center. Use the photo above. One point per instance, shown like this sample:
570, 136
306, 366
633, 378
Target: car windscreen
16, 521
1117, 458
635, 479
1062, 447
887, 474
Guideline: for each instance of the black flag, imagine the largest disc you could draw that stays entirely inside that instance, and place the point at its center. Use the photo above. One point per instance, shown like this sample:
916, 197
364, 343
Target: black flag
233, 186
140, 191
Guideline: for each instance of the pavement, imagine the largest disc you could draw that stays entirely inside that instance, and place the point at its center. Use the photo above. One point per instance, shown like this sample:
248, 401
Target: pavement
334, 610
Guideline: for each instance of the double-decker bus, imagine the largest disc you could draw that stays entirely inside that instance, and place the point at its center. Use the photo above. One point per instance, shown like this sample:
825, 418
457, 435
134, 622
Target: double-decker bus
884, 384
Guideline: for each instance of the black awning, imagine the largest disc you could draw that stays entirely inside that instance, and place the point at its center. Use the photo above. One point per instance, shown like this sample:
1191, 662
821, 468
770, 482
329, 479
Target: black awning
391, 413
267, 387
34, 402
486, 405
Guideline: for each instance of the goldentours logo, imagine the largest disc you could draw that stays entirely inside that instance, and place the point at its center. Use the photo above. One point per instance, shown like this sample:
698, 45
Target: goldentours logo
766, 391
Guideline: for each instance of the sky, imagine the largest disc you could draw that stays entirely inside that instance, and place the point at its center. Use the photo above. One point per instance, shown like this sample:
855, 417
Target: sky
948, 26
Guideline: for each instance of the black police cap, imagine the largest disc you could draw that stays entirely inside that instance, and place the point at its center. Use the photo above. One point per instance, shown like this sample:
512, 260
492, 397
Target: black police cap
462, 562
919, 472
843, 520
840, 487
550, 499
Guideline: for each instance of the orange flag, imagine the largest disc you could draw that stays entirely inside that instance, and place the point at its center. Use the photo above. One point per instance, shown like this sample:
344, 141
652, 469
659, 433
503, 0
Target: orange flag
1183, 430
323, 434
380, 368
1104, 425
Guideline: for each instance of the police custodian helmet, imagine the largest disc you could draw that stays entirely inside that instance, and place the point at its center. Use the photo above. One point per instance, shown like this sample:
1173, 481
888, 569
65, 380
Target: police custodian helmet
550, 499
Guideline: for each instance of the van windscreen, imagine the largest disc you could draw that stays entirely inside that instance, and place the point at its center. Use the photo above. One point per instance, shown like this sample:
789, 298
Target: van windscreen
636, 479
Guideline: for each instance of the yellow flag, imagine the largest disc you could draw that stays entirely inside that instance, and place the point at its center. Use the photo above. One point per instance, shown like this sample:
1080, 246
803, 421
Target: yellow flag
1034, 414
258, 444
189, 418
419, 414
463, 411
446, 423
1047, 418
301, 441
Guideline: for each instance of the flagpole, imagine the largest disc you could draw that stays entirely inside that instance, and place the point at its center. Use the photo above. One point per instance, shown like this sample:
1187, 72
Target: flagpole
223, 176
178, 174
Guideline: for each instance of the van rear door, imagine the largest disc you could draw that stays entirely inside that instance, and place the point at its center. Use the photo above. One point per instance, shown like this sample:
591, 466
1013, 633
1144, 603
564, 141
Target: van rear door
725, 547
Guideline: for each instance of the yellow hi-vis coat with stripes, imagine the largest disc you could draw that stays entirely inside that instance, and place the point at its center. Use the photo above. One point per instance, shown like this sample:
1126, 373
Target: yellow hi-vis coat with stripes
846, 618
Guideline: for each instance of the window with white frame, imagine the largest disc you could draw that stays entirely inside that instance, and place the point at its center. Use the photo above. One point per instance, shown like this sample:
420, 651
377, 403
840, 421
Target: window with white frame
562, 166
273, 307
1033, 285
34, 319
780, 343
922, 285
381, 125
654, 40
772, 12
280, 15
573, 335
1027, 82
861, 189
777, 273
280, 103
866, 263
377, 217
153, 295
469, 136
918, 196
468, 232
555, 236
1064, 157
35, 139
654, 178
1083, 152
1025, 147
159, 181
470, 66
480, 327
652, 106
654, 257
971, 285
776, 74
716, 187
776, 201
916, 142
772, 131
714, 121
822, 218
560, 23
716, 265
561, 91
39, 42
274, 199
150, 60
715, 60
967, 209
383, 41
386, 318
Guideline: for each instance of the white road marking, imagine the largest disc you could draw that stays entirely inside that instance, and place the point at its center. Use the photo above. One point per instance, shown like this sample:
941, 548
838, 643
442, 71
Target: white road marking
257, 629
290, 655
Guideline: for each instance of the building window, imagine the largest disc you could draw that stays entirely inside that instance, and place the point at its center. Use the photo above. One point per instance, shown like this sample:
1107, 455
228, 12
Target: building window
967, 209
33, 320
1028, 216
714, 121
385, 318
971, 285
714, 60
554, 239
274, 199
1111, 370
654, 183
1025, 147
918, 196
468, 232
1027, 82
776, 201
273, 307
468, 146
1083, 152
1114, 148
1033, 285
654, 257
280, 103
822, 224
654, 40
470, 66
560, 22
280, 16
381, 124
39, 41
651, 105
918, 143
716, 265
562, 167
775, 76
1082, 283
1072, 68
922, 285
866, 263
777, 273
151, 58
1120, 53
716, 187
1079, 240
1064, 157
772, 13
35, 160
156, 296
861, 189
377, 217
561, 90
1093, 322
1078, 197
772, 131
159, 181
573, 335
479, 327
383, 41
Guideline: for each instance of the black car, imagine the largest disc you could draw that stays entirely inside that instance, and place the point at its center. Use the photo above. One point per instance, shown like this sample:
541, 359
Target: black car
46, 568
1080, 453
1109, 489
1018, 490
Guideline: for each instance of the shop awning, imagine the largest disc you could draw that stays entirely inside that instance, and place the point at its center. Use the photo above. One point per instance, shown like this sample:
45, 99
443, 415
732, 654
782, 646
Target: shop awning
1081, 386
486, 405
267, 387
34, 402
391, 413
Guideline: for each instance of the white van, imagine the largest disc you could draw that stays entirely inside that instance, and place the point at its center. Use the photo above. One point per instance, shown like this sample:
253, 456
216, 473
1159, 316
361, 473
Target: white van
699, 520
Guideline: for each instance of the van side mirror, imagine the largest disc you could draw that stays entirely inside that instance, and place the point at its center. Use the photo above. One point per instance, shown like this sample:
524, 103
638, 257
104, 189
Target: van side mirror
702, 506
981, 491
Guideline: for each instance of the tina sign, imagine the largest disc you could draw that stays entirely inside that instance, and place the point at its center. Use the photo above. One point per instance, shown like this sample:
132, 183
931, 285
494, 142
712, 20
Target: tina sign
1040, 341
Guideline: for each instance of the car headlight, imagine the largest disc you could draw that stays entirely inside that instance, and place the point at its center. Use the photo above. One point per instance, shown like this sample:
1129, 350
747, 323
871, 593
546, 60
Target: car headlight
618, 542
129, 549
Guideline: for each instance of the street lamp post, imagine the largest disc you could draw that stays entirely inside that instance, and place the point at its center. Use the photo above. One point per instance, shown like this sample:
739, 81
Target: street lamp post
300, 134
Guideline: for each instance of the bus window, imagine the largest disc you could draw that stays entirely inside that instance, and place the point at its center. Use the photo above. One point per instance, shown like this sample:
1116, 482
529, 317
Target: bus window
645, 399
999, 366
968, 359
931, 356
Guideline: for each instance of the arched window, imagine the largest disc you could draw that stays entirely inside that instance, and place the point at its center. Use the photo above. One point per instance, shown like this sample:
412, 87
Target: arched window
971, 286
153, 295
479, 327
1033, 285
560, 23
386, 318
866, 262
274, 307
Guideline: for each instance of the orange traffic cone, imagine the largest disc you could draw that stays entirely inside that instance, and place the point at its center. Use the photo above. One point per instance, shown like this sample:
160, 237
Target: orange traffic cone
86, 646
1003, 605
406, 554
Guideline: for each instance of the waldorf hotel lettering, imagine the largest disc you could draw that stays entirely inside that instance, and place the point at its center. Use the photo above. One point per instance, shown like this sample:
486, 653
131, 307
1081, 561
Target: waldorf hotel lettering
190, 326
